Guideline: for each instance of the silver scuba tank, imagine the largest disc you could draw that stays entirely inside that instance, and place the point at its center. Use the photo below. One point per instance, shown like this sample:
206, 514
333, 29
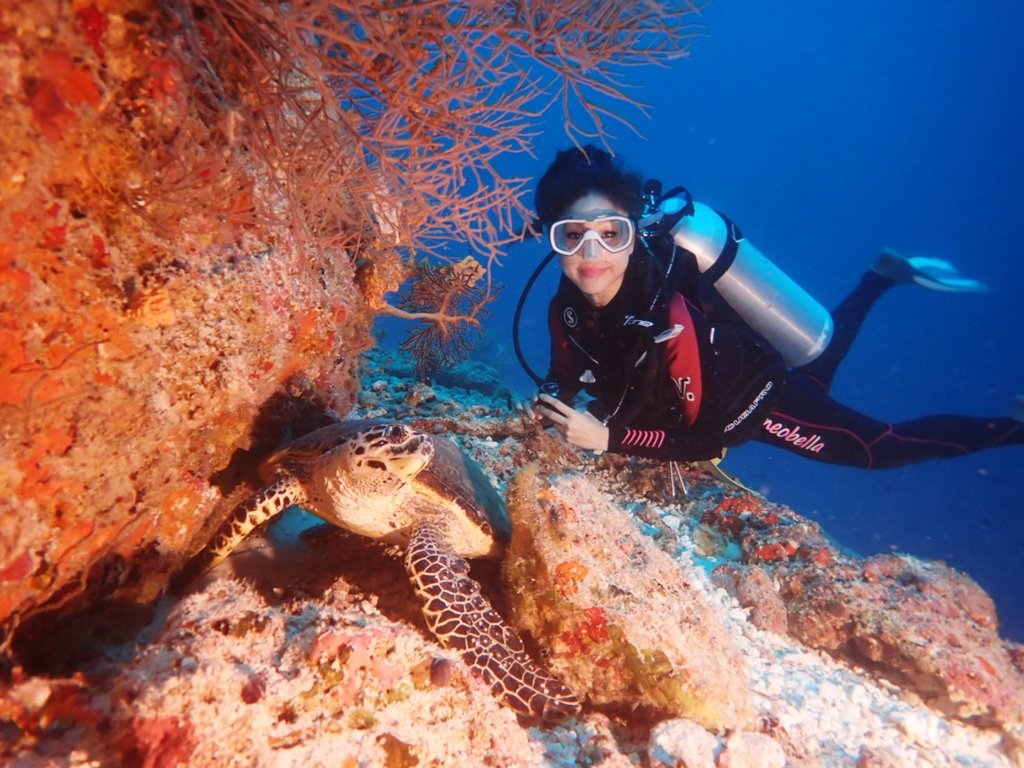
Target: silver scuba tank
764, 296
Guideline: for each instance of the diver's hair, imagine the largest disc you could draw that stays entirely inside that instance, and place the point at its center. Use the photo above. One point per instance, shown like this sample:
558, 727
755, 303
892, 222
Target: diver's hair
580, 170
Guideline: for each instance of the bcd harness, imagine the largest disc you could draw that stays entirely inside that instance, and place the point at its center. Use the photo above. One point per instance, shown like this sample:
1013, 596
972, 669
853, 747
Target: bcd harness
661, 212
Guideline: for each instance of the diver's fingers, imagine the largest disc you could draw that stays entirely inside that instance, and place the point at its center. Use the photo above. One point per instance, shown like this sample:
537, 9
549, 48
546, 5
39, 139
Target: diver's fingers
555, 405
557, 419
559, 416
531, 411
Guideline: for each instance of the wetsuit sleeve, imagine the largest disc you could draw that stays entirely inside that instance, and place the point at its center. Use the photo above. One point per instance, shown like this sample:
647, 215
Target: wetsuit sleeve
677, 445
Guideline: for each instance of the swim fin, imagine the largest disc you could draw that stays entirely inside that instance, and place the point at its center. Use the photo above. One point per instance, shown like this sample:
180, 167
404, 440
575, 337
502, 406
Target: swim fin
934, 274
713, 468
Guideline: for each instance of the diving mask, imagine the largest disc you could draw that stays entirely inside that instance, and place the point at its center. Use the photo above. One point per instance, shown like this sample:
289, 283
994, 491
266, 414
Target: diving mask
615, 233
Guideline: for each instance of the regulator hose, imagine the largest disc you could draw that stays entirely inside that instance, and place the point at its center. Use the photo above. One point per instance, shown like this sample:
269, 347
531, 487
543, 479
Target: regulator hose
519, 311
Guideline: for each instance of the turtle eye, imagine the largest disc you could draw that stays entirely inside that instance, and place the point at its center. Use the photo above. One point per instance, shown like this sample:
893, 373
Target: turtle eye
375, 464
396, 433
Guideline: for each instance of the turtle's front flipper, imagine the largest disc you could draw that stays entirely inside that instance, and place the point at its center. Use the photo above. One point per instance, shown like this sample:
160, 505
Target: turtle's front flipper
463, 620
284, 492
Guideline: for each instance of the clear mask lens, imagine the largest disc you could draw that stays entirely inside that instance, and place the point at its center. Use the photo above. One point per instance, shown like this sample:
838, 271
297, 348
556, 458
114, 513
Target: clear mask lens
615, 233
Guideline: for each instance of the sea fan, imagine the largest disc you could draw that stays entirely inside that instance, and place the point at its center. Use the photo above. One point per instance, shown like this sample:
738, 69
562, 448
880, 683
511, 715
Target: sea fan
449, 300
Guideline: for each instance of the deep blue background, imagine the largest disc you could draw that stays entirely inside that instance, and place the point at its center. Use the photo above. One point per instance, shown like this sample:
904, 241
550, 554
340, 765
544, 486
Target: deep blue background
827, 131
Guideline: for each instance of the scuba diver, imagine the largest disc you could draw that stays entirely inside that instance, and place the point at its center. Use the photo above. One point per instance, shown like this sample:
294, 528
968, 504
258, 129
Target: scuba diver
690, 341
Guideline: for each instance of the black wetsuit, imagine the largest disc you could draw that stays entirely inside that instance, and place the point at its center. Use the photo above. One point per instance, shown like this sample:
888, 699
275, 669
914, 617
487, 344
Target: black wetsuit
677, 375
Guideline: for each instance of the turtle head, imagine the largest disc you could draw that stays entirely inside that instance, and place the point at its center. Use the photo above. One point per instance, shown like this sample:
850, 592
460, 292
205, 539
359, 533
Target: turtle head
390, 448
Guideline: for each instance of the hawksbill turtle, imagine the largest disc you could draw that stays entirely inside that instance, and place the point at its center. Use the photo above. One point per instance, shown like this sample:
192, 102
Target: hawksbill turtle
386, 481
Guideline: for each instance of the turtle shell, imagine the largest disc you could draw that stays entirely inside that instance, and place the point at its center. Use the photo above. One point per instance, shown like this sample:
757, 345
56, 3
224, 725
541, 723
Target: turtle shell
455, 477
313, 446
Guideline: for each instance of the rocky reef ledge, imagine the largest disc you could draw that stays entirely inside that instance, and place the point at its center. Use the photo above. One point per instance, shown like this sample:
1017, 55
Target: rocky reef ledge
711, 629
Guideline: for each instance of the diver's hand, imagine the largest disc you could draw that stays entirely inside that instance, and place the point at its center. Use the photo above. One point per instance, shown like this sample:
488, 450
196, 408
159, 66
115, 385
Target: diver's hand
578, 427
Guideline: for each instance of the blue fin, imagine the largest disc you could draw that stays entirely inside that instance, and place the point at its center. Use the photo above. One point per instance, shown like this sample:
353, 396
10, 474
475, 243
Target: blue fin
929, 272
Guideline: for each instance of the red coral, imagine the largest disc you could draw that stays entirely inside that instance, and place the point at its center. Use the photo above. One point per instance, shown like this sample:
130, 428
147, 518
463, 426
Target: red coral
94, 23
164, 78
733, 513
450, 302
49, 110
36, 705
774, 550
18, 568
35, 465
739, 504
592, 630
818, 555
158, 742
723, 520
62, 85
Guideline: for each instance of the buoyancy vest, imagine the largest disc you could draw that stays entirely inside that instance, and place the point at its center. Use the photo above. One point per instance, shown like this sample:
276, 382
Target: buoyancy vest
619, 354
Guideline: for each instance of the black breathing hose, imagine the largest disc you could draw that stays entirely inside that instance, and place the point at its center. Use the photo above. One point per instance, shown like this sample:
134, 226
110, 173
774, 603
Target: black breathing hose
519, 311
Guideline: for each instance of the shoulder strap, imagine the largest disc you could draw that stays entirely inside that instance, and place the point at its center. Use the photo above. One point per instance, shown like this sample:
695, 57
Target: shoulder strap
728, 254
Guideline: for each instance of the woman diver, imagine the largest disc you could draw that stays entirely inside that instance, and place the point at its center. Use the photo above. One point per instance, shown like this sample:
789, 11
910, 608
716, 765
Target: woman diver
689, 341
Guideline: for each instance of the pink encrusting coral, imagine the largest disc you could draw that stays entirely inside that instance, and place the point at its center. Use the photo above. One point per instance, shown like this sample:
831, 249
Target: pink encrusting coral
922, 624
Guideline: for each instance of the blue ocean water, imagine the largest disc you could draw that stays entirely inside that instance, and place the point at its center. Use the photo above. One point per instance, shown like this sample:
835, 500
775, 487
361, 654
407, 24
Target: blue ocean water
827, 131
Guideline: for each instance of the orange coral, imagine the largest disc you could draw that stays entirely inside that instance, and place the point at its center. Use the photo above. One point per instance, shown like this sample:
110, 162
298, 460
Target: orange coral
568, 575
119, 348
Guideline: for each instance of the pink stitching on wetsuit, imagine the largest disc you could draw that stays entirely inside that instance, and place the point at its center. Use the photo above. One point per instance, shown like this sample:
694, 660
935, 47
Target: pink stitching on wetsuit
644, 438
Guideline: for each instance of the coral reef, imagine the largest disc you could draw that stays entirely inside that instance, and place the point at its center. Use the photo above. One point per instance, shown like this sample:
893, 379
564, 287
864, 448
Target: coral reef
233, 678
894, 614
199, 217
136, 355
307, 646
203, 205
890, 614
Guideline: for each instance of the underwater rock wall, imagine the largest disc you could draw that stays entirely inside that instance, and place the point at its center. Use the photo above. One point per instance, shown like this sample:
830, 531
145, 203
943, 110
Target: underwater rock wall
148, 317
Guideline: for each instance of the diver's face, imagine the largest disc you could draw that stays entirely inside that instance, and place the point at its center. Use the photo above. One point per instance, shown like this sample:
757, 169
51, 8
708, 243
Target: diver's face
595, 270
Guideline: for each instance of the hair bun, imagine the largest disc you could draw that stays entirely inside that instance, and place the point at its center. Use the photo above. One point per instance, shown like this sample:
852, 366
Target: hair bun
579, 170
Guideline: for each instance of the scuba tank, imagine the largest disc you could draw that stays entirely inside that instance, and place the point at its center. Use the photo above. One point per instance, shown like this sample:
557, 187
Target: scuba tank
764, 296
767, 299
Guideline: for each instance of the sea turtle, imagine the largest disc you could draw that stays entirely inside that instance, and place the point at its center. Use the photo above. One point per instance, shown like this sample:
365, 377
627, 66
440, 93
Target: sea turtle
384, 480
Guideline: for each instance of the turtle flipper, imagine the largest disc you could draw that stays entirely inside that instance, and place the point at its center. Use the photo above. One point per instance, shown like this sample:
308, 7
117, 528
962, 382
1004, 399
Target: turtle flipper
462, 619
254, 511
